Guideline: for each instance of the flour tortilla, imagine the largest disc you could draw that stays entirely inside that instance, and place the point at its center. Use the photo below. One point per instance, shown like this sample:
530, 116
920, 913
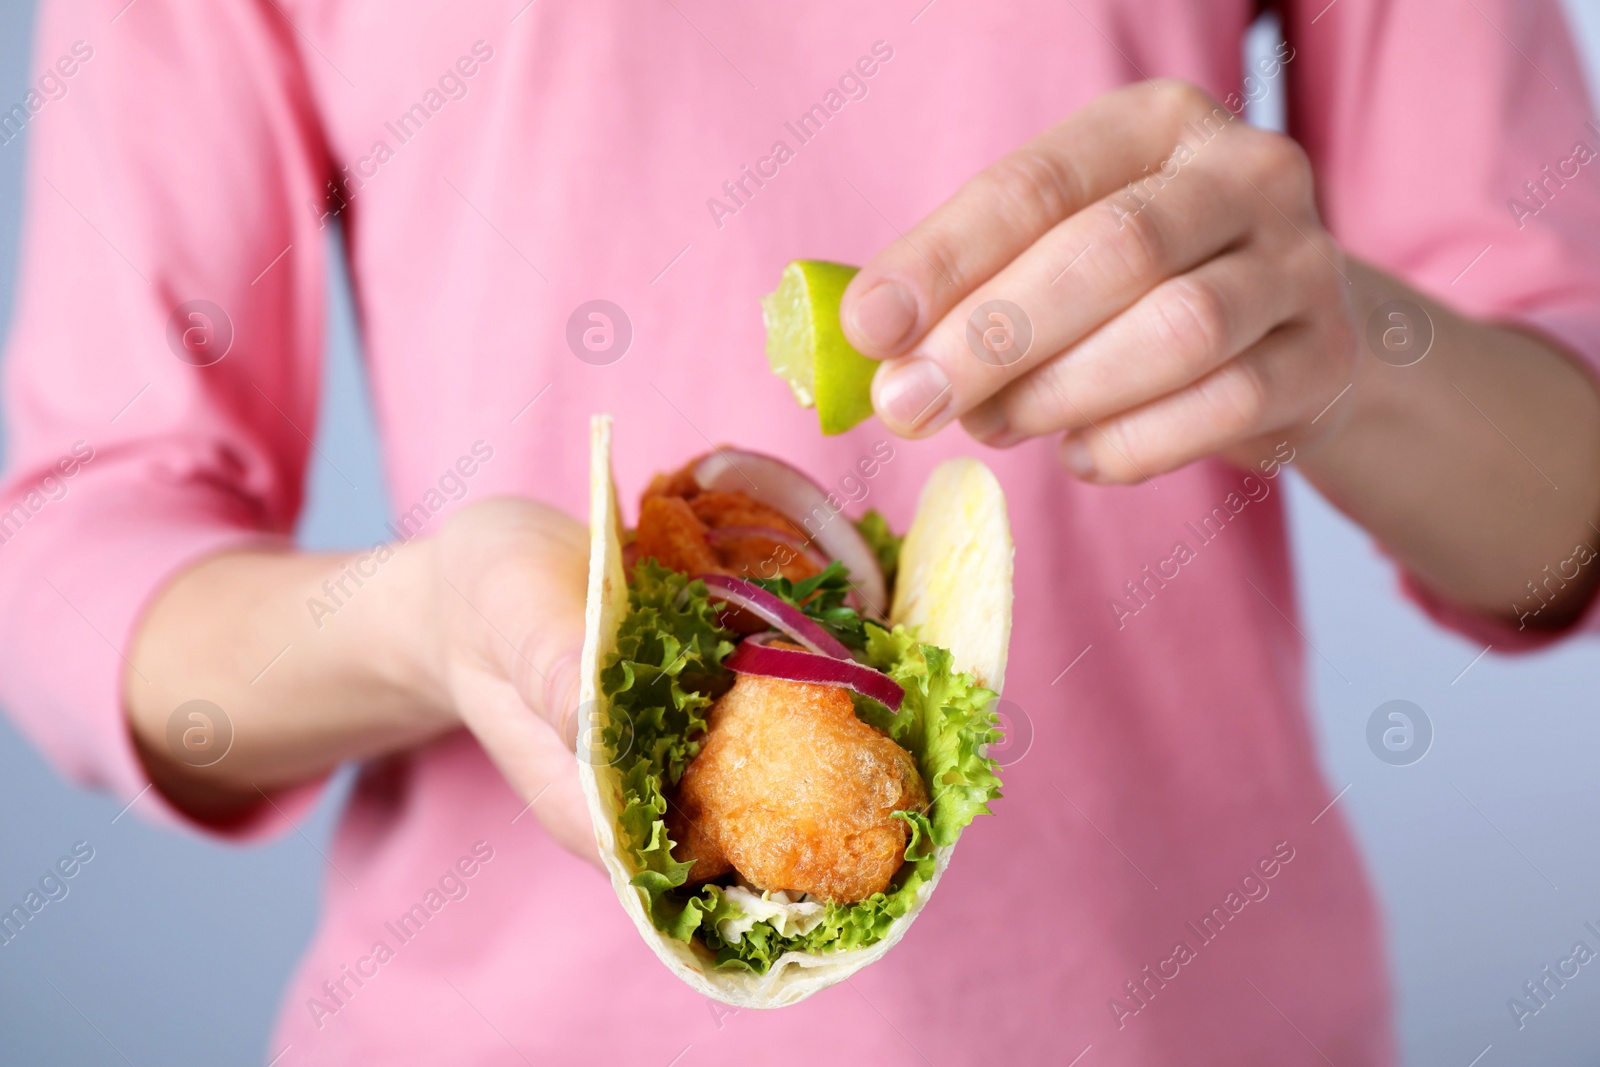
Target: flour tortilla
954, 583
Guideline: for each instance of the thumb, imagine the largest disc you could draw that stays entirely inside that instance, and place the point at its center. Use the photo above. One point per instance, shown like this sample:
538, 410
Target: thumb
562, 686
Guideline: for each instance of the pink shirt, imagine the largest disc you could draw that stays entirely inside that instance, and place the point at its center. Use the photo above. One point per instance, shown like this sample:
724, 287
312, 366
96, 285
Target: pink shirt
506, 166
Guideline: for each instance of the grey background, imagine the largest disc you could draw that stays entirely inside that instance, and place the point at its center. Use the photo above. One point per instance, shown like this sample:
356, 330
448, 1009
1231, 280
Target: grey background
174, 949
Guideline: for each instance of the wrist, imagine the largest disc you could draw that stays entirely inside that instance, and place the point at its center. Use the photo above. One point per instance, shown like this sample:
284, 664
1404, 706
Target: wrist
390, 592
1452, 447
1392, 387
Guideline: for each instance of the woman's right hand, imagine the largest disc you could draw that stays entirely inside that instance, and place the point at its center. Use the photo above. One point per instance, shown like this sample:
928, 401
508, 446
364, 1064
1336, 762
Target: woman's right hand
509, 598
306, 661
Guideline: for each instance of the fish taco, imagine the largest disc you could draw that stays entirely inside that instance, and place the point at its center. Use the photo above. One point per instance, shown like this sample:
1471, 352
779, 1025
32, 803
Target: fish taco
785, 713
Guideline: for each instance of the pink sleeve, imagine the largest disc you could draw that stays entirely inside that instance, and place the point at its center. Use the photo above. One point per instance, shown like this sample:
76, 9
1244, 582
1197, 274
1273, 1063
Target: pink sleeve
172, 156
1453, 148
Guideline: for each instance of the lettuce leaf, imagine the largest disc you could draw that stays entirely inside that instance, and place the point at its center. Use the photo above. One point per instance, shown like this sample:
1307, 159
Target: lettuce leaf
884, 543
661, 683
670, 649
950, 719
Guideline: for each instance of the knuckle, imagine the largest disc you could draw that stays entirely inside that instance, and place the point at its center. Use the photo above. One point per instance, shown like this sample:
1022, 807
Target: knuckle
1037, 188
1034, 404
1314, 262
1331, 255
1181, 99
1047, 393
1341, 342
1140, 245
1120, 451
1240, 395
937, 258
1286, 154
1196, 318
1282, 165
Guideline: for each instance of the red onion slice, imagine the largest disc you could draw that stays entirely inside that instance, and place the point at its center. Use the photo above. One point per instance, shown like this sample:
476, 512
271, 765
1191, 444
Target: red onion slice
754, 657
778, 485
800, 546
776, 611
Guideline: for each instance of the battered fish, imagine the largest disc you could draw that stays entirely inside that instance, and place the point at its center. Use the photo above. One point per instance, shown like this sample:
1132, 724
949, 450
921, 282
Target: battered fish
671, 534
676, 518
794, 792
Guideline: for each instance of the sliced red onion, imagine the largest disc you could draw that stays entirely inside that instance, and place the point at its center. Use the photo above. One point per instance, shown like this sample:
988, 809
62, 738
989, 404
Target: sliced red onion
753, 656
776, 612
778, 485
800, 546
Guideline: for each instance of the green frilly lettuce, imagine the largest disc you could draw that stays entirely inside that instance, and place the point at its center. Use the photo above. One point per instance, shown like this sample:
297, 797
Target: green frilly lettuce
884, 542
660, 684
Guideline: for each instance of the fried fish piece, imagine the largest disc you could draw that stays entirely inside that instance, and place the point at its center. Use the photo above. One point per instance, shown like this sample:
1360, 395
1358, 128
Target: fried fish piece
688, 844
676, 517
670, 532
680, 482
720, 507
750, 555
796, 793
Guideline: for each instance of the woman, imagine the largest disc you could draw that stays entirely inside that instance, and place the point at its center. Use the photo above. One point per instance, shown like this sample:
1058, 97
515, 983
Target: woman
1403, 302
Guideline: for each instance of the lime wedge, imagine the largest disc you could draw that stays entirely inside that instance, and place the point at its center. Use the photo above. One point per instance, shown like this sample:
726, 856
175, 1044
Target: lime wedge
807, 348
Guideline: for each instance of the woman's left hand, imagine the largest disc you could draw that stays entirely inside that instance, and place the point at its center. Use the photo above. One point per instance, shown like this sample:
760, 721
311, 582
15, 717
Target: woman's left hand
1149, 278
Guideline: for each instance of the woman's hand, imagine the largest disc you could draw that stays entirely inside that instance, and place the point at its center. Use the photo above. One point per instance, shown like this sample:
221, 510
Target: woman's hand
311, 660
1149, 278
511, 585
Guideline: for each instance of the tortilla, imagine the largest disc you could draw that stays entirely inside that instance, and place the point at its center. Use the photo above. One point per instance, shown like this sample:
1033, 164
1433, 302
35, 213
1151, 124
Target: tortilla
955, 584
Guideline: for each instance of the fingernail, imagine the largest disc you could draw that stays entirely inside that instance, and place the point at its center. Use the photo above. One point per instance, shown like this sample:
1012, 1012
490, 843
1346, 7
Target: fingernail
913, 395
1076, 458
884, 315
989, 425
